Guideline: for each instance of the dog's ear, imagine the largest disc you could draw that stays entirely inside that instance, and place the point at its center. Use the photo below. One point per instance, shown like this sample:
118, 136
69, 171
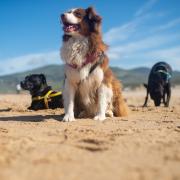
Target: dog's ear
145, 85
94, 19
43, 78
92, 15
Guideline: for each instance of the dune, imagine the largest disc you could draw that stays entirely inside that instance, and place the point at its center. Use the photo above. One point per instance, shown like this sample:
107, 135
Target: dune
38, 145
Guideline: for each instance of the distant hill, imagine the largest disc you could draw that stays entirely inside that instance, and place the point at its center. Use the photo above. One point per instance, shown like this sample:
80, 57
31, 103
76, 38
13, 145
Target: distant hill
54, 74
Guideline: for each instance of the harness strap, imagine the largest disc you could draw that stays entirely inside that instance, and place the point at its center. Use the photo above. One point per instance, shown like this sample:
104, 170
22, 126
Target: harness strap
90, 58
100, 61
55, 94
46, 97
166, 73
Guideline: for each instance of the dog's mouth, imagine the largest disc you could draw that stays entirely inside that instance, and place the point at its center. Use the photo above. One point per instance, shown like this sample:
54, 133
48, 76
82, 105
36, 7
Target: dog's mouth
22, 84
68, 28
26, 85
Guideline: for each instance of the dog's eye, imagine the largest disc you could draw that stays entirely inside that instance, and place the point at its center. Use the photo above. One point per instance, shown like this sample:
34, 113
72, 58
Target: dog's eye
78, 14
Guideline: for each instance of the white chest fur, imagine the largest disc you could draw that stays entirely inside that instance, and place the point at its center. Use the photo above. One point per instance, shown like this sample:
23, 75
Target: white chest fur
74, 50
85, 83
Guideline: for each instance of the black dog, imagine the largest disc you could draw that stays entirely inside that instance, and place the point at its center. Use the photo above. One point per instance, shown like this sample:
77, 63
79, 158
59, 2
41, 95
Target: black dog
159, 84
43, 97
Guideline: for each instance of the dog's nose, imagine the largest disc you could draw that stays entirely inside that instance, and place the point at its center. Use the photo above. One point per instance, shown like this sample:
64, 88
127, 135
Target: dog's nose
62, 16
22, 84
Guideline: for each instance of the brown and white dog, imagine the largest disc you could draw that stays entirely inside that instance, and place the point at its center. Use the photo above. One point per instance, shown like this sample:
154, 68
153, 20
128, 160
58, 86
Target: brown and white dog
90, 88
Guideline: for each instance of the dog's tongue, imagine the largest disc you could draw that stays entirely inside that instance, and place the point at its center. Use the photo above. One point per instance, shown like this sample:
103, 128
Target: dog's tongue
70, 28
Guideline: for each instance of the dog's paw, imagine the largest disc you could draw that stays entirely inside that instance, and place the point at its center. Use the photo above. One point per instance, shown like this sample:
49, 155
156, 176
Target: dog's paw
68, 118
109, 113
99, 117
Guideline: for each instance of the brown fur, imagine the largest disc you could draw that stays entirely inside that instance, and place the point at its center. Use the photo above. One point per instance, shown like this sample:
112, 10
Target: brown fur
119, 106
97, 45
90, 26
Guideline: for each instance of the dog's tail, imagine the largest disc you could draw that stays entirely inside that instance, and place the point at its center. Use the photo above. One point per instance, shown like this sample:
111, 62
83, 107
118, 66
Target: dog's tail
119, 106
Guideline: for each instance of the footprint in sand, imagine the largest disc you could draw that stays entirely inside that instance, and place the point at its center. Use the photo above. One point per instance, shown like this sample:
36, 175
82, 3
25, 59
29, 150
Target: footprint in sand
93, 145
177, 129
3, 130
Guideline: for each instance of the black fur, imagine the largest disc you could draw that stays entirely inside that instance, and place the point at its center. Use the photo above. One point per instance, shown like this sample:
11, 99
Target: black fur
37, 86
159, 84
93, 19
66, 37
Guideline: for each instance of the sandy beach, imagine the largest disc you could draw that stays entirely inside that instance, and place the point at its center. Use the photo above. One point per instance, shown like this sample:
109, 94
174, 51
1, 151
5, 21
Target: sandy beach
37, 145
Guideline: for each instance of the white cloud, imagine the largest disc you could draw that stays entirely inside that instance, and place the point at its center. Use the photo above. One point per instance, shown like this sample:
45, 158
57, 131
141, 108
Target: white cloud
141, 46
27, 62
145, 40
143, 10
168, 25
120, 33
171, 55
125, 31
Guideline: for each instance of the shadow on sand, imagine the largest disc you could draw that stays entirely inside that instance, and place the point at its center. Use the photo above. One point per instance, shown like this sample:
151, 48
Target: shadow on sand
5, 110
36, 118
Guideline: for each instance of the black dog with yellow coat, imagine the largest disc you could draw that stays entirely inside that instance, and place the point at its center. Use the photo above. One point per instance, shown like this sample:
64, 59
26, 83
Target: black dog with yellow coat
159, 84
43, 97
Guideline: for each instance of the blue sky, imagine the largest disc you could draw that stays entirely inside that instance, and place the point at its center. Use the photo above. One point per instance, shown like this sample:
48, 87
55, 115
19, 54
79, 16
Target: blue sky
138, 32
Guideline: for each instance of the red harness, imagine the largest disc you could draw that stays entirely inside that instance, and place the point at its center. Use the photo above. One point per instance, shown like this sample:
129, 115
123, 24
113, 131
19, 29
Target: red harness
89, 59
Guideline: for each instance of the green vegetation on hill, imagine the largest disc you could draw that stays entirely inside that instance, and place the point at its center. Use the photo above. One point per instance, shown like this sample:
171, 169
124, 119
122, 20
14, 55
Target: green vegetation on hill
55, 76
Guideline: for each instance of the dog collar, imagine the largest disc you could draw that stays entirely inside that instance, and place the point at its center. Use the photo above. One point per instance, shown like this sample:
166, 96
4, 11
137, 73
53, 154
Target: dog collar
166, 73
46, 97
89, 59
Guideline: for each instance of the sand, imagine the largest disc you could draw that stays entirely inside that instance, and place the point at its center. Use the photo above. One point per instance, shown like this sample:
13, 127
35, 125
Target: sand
38, 146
